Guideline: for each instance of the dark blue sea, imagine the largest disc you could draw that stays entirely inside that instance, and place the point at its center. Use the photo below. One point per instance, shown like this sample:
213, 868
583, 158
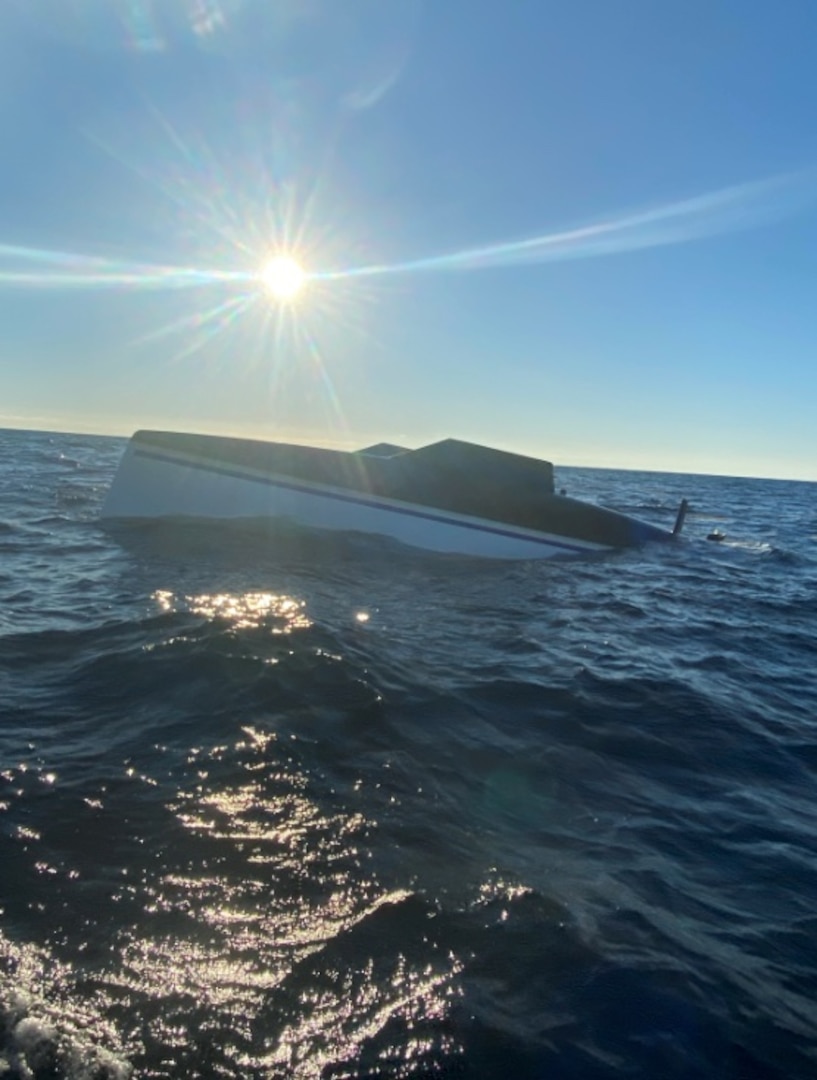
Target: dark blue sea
281, 805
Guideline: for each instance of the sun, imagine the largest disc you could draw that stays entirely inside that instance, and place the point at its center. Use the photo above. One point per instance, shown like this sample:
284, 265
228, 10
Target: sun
283, 277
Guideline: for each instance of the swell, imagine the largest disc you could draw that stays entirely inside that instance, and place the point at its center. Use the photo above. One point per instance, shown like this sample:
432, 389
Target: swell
303, 808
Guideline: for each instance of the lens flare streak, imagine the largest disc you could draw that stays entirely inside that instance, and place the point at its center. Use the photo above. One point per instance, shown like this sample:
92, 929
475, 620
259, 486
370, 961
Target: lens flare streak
34, 268
202, 326
730, 209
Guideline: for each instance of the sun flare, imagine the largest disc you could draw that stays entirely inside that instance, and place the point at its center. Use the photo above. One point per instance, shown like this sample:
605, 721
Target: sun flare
283, 277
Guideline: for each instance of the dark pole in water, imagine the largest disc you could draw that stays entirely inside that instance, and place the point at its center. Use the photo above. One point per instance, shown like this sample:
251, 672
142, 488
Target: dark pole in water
679, 521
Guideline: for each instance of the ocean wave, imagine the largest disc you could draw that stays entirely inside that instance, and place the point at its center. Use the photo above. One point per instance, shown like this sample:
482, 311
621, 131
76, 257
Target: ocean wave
279, 803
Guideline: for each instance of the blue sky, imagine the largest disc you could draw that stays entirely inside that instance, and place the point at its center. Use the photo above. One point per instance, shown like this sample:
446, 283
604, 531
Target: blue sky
583, 229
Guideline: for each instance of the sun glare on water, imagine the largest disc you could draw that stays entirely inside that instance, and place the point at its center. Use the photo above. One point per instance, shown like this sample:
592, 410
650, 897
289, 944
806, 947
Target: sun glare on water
283, 278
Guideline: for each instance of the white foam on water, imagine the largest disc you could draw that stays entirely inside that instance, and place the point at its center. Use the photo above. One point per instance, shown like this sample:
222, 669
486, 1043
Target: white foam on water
43, 1032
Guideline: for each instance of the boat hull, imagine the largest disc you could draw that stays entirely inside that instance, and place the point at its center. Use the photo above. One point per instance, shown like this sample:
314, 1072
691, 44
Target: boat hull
158, 482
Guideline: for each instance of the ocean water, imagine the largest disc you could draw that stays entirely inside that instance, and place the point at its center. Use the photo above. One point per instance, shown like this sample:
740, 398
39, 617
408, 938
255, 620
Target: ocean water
299, 806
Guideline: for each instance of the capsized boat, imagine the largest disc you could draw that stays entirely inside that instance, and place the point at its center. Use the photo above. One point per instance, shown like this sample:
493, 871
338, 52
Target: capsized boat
450, 496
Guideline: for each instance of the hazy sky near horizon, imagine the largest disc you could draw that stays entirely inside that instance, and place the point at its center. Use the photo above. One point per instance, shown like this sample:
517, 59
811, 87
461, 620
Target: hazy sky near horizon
584, 229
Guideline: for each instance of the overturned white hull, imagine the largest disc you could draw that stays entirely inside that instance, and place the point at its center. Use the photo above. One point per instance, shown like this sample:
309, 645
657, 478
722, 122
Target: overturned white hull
168, 476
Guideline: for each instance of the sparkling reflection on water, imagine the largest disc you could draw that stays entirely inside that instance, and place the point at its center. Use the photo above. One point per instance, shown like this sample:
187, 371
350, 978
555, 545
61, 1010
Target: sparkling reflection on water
269, 890
278, 614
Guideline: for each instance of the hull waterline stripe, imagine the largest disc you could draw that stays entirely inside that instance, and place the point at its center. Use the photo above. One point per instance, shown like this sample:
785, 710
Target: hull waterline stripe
372, 504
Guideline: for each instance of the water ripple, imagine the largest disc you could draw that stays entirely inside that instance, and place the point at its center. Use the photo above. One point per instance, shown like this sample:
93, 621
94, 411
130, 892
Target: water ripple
315, 807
